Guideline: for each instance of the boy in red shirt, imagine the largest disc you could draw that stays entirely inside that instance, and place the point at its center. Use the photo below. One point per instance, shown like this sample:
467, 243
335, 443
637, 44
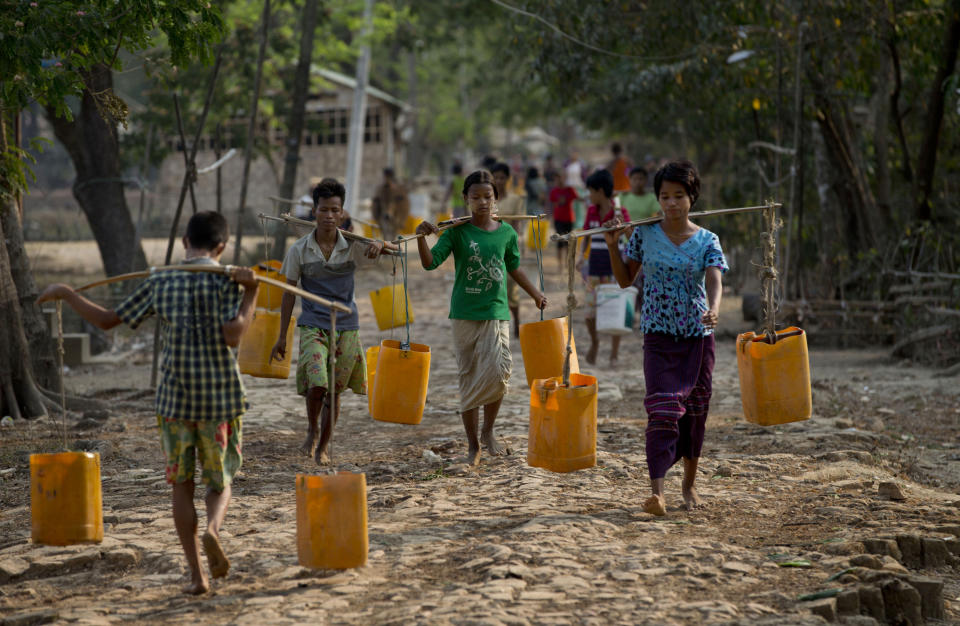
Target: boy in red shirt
561, 205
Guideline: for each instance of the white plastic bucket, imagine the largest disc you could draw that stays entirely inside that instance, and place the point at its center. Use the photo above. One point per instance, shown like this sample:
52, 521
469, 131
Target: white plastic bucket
615, 309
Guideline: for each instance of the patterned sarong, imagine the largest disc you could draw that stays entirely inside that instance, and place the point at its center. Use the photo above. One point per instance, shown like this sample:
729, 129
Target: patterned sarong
484, 362
679, 375
312, 366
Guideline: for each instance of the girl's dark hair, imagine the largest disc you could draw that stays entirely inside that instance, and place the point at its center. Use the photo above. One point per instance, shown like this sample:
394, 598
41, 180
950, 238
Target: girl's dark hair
328, 188
206, 230
533, 173
602, 180
480, 177
500, 167
681, 172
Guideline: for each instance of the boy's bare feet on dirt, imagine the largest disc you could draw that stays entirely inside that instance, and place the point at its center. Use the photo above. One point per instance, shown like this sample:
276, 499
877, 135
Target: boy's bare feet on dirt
321, 457
489, 441
691, 499
216, 559
309, 443
655, 505
196, 588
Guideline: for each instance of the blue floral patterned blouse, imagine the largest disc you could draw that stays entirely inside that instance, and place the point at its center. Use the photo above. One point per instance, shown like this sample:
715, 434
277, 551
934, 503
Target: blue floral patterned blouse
674, 286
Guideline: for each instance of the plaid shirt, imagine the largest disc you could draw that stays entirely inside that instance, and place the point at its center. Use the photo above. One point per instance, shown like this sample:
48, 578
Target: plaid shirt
199, 375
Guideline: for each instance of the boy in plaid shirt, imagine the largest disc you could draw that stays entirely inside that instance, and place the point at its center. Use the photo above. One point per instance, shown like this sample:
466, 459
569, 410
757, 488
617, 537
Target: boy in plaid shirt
201, 398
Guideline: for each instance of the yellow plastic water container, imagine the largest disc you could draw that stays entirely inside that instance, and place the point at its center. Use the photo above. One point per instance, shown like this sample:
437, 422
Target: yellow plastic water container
372, 231
332, 520
400, 386
253, 356
268, 296
533, 240
410, 225
66, 504
442, 217
774, 378
372, 353
563, 424
544, 346
390, 306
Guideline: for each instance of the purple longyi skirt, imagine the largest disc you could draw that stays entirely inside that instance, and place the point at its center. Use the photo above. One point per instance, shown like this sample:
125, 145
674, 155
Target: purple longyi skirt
678, 373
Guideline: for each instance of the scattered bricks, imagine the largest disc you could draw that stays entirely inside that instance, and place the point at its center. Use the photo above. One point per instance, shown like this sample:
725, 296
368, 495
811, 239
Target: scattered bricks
882, 546
912, 550
848, 602
11, 567
902, 603
825, 608
931, 595
934, 552
871, 602
891, 491
866, 560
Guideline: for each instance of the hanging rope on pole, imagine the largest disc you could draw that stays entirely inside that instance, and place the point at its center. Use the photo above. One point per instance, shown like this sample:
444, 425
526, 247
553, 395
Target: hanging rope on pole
768, 270
571, 305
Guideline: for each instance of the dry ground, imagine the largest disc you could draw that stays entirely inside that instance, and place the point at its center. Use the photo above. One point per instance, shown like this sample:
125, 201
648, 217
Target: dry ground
507, 543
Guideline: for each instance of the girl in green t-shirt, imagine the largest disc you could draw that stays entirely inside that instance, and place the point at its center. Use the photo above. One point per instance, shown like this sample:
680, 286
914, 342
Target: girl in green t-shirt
485, 251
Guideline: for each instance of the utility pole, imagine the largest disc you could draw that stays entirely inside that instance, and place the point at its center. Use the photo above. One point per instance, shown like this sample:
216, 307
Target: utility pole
358, 112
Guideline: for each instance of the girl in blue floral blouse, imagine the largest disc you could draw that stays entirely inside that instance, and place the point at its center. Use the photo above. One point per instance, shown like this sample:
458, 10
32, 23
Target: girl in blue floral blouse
682, 265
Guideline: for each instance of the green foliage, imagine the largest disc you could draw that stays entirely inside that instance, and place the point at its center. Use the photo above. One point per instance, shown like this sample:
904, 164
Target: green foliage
47, 46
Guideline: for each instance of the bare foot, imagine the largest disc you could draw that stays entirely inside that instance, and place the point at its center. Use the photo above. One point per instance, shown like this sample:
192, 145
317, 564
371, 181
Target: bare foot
321, 457
196, 588
489, 441
655, 506
309, 443
691, 499
472, 457
216, 559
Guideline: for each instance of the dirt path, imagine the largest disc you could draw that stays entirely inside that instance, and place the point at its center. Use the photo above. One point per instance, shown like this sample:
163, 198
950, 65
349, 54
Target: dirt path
511, 544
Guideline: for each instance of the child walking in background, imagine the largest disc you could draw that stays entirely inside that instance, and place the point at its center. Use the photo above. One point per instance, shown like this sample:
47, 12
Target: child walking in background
323, 263
509, 204
201, 398
639, 202
598, 269
485, 252
561, 206
682, 266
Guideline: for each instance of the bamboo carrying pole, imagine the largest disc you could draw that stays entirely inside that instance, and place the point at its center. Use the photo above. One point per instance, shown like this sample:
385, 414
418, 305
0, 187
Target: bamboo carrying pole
287, 218
457, 221
310, 204
219, 269
659, 218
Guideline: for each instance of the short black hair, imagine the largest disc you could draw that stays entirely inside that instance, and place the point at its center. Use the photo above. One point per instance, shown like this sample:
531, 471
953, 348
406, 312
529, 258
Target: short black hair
388, 172
457, 168
500, 167
616, 148
602, 180
480, 177
681, 172
639, 170
532, 173
328, 188
207, 229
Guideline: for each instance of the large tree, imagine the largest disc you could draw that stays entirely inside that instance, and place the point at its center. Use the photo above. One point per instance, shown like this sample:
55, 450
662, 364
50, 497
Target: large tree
58, 54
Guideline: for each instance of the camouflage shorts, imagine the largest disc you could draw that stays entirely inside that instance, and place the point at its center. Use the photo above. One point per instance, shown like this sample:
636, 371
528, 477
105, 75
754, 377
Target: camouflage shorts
216, 444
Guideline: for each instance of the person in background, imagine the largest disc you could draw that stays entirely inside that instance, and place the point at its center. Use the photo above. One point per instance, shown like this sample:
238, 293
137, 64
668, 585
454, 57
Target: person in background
549, 168
452, 195
561, 200
391, 205
595, 259
620, 168
574, 171
536, 190
638, 202
507, 204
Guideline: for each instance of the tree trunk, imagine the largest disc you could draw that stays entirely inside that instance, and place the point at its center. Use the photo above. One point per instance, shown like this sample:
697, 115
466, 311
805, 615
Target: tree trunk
91, 141
19, 396
295, 123
43, 358
927, 158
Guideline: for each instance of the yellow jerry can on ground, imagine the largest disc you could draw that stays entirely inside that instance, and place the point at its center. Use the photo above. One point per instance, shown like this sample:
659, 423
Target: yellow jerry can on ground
774, 378
66, 502
332, 520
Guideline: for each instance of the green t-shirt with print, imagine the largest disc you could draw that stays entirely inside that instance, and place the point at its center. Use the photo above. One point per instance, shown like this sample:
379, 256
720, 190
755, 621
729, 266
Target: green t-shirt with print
482, 260
640, 206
